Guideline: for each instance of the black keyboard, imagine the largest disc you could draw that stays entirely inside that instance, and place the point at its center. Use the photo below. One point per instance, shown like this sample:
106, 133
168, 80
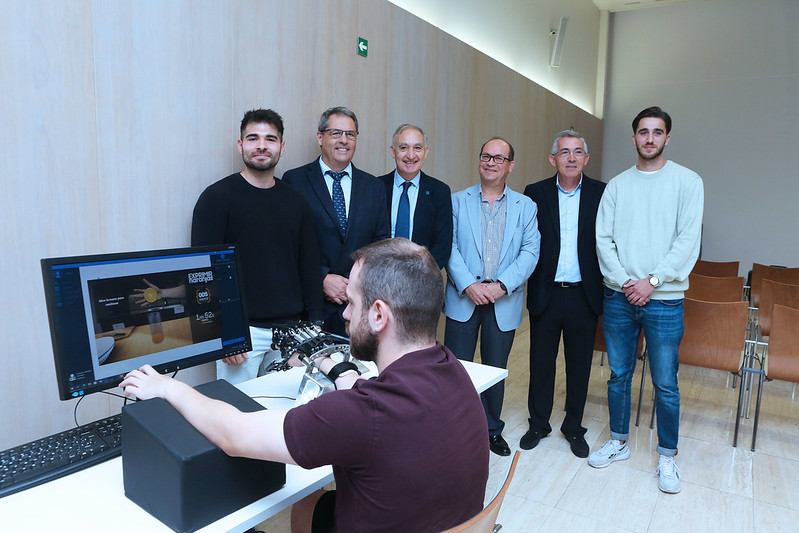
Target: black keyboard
56, 456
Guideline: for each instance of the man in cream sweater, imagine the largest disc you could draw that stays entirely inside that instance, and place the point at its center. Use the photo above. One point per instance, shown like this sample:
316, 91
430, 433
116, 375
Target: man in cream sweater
648, 231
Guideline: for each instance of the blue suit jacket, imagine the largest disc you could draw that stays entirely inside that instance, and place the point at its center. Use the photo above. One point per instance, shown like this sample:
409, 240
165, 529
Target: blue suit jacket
367, 221
432, 219
517, 259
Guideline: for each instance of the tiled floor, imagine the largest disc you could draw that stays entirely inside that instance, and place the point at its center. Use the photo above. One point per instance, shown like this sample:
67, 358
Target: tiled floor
723, 488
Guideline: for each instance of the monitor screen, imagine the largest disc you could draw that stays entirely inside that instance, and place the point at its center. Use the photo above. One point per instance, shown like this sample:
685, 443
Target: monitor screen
171, 309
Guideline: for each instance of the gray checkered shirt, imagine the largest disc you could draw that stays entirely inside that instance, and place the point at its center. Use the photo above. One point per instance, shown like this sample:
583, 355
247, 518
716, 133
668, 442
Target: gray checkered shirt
493, 228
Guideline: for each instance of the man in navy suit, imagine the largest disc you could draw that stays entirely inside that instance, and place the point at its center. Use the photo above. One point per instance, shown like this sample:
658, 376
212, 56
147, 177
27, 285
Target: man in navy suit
565, 291
494, 250
427, 201
348, 204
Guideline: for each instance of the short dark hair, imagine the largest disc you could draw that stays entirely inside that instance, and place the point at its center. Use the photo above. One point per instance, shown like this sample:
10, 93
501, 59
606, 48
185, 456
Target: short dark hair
258, 116
405, 276
653, 112
338, 110
511, 153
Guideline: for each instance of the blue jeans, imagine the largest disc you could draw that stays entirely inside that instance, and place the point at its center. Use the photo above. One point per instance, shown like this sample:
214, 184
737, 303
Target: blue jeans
663, 329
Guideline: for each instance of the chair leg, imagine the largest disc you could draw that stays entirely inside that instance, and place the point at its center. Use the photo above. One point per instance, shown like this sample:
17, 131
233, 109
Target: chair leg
641, 391
654, 406
738, 414
757, 408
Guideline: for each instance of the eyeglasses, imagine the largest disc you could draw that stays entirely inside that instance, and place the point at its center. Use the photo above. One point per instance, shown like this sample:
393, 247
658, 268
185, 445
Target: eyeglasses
498, 159
577, 153
336, 134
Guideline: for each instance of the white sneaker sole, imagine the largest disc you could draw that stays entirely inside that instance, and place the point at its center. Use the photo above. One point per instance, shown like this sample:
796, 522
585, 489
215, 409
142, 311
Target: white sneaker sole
618, 457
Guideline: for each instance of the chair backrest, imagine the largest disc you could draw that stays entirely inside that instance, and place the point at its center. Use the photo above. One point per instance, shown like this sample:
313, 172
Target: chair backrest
714, 289
484, 521
716, 269
771, 293
599, 340
714, 334
783, 347
774, 273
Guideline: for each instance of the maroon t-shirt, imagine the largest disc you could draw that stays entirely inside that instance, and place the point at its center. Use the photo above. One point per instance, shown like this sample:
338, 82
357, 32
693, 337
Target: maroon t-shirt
409, 450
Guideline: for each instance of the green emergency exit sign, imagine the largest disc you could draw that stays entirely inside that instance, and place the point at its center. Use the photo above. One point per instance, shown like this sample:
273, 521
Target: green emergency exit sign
363, 47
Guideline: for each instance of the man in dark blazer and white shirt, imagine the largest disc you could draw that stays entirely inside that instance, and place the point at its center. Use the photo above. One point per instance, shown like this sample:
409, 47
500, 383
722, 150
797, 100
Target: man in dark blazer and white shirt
358, 217
564, 293
428, 201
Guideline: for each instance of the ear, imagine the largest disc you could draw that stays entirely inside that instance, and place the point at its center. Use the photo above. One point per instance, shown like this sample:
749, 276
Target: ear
510, 166
380, 316
552, 160
241, 147
319, 135
393, 153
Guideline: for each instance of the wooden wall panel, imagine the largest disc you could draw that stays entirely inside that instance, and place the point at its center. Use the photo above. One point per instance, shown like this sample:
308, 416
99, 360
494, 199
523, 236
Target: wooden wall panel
116, 115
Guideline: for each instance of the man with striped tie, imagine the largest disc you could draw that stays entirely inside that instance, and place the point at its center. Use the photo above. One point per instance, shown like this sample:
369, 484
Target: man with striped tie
349, 206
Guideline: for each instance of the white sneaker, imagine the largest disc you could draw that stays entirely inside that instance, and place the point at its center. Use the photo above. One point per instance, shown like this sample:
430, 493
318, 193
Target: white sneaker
612, 450
669, 475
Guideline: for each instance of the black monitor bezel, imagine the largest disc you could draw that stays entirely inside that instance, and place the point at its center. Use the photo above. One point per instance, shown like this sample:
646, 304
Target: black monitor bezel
173, 366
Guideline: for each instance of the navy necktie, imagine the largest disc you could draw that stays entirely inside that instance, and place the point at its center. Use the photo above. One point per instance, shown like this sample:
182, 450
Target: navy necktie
338, 200
402, 228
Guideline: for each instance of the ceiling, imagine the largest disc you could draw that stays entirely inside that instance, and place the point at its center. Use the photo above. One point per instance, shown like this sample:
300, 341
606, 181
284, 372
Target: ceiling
625, 5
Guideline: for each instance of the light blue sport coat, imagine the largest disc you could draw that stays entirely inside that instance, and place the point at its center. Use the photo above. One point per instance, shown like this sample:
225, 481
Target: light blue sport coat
518, 257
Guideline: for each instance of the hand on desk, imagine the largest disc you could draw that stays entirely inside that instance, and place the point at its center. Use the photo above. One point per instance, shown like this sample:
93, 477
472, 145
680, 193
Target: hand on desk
235, 359
145, 383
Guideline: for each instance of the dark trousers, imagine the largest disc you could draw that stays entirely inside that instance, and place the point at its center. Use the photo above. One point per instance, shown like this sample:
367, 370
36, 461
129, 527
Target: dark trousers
495, 345
568, 312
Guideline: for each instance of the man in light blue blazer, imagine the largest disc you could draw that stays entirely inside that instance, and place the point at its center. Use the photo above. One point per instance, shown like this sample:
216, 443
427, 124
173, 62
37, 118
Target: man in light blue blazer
495, 247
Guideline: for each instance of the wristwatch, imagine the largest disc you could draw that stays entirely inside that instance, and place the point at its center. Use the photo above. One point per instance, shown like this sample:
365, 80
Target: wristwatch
654, 280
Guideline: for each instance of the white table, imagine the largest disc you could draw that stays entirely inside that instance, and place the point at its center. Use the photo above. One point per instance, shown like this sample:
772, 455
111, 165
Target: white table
94, 500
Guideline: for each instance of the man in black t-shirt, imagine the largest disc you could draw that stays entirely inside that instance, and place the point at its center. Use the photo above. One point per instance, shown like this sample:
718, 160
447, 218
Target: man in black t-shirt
272, 227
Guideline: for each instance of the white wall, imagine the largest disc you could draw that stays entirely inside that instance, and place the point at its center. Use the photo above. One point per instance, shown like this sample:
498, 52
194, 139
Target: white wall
727, 71
517, 34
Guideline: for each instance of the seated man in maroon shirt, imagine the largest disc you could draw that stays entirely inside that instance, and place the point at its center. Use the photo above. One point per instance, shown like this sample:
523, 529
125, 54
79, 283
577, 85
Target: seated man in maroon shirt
409, 448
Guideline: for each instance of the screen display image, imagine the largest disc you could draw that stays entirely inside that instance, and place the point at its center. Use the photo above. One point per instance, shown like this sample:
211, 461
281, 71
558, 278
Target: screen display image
112, 313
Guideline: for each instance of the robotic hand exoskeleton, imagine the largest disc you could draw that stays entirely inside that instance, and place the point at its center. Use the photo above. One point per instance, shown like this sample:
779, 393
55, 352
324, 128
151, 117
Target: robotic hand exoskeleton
309, 342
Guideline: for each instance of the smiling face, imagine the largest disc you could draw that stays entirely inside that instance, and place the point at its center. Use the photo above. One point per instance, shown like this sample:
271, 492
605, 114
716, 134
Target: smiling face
491, 172
409, 152
570, 158
260, 146
650, 138
337, 153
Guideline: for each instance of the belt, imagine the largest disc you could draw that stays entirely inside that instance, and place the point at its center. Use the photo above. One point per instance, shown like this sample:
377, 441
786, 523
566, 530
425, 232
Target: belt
568, 284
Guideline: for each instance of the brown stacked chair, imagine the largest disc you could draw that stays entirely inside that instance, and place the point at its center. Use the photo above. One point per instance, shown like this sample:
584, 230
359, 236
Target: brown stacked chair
782, 357
780, 274
774, 293
714, 289
714, 338
716, 269
485, 520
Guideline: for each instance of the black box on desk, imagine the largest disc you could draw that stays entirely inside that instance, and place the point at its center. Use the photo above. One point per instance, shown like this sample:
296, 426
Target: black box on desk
177, 475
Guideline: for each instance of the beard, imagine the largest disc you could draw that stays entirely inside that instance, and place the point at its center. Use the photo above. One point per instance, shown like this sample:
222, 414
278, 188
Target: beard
363, 342
653, 155
252, 164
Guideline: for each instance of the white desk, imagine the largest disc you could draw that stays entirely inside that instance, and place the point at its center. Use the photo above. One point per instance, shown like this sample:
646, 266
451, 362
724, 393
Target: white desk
94, 500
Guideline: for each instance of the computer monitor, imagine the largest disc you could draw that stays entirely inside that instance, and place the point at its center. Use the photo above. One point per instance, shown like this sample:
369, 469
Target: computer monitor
112, 313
